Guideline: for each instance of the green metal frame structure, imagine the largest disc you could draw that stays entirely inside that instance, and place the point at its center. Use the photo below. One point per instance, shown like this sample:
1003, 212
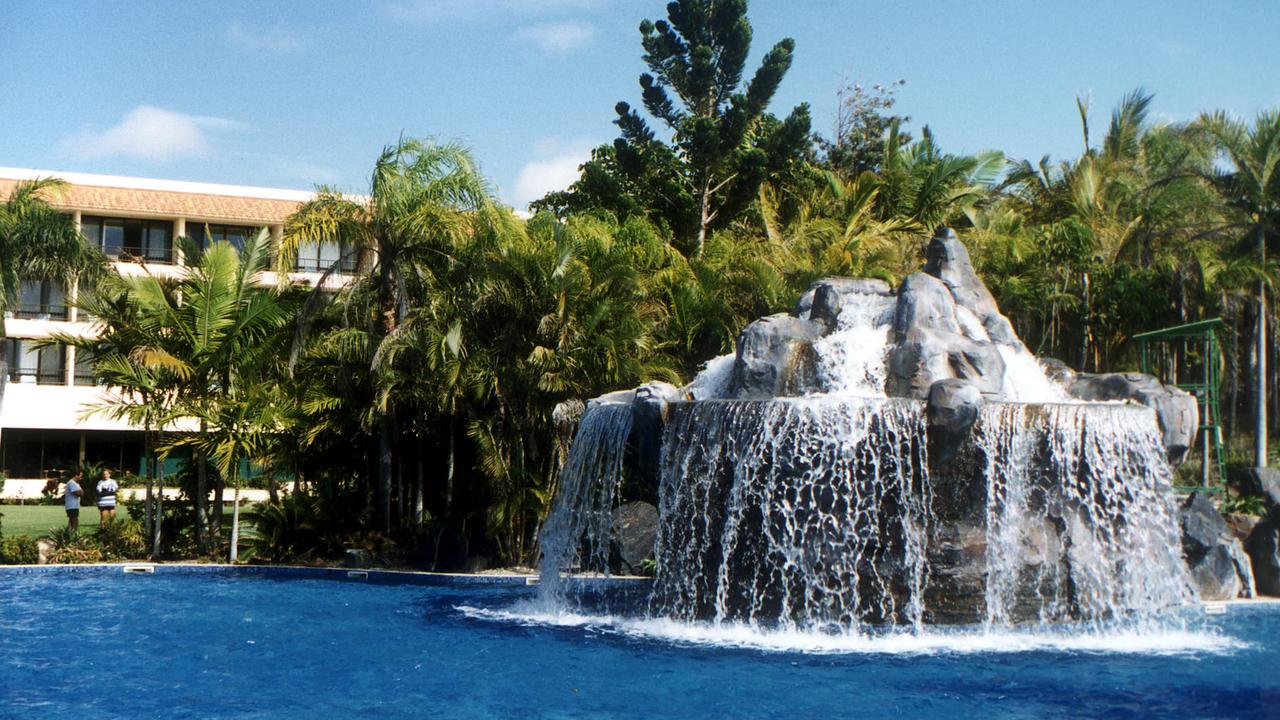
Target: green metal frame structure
1201, 352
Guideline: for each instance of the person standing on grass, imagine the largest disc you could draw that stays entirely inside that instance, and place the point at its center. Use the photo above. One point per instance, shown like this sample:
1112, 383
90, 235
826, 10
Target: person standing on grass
107, 489
71, 500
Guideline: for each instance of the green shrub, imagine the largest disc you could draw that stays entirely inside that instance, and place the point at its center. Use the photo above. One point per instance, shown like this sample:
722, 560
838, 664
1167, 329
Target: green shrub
70, 547
1244, 505
121, 539
19, 550
292, 530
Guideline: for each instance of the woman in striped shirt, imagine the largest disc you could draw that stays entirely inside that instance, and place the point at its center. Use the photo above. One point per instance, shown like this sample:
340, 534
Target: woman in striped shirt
107, 489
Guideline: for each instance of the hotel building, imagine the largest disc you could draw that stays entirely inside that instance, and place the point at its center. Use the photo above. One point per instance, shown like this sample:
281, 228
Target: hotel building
134, 221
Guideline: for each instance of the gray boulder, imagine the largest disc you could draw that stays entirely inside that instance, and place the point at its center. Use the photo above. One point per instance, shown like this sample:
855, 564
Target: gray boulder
827, 304
635, 531
648, 419
930, 344
775, 358
1241, 525
624, 397
1265, 483
1176, 410
357, 558
953, 406
1263, 546
840, 288
948, 260
952, 409
1219, 566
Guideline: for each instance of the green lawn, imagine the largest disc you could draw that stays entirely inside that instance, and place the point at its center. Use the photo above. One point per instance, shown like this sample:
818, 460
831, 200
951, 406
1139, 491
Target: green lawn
39, 520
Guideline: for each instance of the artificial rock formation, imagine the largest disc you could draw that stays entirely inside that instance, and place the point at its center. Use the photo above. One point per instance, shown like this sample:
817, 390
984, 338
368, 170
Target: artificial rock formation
1264, 483
635, 529
1263, 547
884, 455
775, 357
1218, 563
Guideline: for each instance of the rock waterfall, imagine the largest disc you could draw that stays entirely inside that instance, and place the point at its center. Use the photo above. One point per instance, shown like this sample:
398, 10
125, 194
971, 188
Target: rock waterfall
884, 457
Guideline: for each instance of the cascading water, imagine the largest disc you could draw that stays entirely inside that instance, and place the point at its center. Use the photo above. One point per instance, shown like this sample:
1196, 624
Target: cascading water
1078, 519
851, 360
805, 485
576, 533
807, 514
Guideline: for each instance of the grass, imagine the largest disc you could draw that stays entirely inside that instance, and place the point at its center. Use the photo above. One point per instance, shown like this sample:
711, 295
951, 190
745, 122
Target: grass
40, 520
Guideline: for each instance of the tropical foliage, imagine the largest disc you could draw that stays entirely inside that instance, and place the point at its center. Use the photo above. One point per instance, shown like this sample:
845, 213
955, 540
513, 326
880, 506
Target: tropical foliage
418, 407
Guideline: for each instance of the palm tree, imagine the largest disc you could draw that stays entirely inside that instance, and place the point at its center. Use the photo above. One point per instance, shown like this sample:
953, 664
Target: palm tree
128, 354
38, 241
192, 349
1252, 186
421, 207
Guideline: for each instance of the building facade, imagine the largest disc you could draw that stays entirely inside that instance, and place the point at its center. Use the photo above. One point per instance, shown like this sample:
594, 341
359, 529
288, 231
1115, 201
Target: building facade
45, 419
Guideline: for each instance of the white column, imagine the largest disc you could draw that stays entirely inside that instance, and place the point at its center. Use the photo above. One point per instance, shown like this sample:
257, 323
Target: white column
70, 369
73, 292
179, 230
277, 235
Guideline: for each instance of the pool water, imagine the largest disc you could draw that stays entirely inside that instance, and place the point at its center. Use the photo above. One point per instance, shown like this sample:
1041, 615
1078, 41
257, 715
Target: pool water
101, 644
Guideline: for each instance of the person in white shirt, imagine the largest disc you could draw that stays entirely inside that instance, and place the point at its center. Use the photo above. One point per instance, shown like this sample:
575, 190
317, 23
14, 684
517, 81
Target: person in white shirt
71, 500
107, 489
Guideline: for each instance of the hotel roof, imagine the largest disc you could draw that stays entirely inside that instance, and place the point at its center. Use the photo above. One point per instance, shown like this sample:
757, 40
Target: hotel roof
112, 195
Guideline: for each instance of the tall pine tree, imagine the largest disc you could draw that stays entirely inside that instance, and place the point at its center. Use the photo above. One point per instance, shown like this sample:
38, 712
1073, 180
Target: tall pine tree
723, 142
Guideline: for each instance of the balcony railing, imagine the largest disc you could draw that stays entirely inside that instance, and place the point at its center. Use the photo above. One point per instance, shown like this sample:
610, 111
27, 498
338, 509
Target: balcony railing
37, 377
34, 311
86, 378
163, 256
316, 265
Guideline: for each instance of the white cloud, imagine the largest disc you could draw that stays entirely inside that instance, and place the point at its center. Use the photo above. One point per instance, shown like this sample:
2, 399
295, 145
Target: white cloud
451, 11
555, 169
149, 133
276, 41
557, 36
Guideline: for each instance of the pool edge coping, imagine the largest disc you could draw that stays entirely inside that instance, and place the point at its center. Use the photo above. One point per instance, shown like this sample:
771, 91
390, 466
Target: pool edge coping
381, 576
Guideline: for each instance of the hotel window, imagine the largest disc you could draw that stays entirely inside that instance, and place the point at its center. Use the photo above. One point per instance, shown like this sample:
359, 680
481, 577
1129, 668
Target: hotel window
42, 300
319, 257
39, 366
84, 368
129, 238
207, 233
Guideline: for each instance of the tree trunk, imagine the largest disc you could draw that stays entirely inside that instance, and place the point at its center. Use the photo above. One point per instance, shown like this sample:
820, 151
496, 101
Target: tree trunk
448, 473
215, 517
704, 217
418, 514
398, 491
1260, 350
148, 512
4, 380
235, 523
202, 502
1087, 326
159, 518
384, 475
388, 312
273, 492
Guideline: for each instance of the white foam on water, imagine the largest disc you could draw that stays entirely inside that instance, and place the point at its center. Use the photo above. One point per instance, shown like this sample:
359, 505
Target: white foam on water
852, 359
1120, 640
713, 381
1024, 379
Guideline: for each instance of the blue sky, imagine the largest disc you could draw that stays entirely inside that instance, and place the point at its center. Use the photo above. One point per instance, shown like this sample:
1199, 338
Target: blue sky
291, 94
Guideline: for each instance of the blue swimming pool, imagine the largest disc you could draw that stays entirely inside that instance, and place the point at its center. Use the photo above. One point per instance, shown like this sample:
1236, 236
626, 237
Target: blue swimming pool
96, 643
